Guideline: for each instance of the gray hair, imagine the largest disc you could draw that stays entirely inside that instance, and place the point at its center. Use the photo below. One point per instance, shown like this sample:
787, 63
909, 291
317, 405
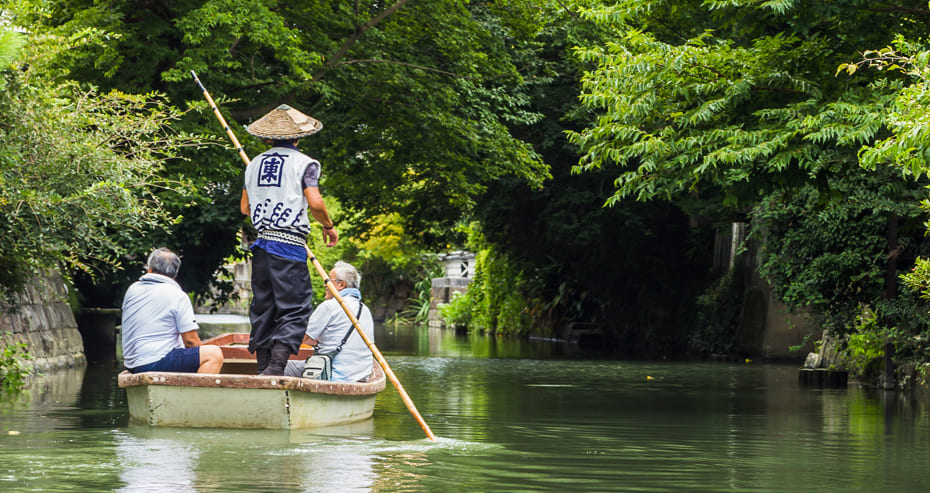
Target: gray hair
345, 272
165, 262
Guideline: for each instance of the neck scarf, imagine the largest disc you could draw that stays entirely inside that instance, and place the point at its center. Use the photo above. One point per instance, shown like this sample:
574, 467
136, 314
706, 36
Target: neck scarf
351, 292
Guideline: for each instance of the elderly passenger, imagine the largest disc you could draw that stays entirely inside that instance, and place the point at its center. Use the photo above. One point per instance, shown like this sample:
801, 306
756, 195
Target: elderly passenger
329, 324
159, 330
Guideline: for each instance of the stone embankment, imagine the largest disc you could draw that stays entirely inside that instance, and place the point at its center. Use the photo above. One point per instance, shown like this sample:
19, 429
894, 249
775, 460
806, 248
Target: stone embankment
41, 318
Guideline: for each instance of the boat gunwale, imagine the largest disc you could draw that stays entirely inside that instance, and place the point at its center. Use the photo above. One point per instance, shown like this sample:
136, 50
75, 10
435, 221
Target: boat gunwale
375, 383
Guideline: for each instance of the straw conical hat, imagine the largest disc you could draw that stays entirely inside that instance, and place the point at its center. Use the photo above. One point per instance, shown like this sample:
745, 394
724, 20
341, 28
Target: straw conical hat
284, 123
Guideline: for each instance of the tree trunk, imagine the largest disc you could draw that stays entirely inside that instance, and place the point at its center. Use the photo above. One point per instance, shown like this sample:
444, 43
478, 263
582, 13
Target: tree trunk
891, 266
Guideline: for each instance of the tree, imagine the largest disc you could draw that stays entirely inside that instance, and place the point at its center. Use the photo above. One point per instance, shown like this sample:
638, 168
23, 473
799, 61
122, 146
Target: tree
417, 99
550, 256
735, 97
78, 173
831, 256
738, 106
906, 144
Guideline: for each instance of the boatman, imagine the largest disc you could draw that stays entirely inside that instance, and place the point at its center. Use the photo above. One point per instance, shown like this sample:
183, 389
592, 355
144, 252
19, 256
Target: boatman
280, 185
159, 331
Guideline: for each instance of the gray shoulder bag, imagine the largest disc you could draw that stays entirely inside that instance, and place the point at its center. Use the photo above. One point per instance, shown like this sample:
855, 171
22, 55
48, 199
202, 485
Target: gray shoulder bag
319, 366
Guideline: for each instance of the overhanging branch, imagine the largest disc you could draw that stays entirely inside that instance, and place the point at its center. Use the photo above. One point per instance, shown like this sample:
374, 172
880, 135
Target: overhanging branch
359, 31
405, 64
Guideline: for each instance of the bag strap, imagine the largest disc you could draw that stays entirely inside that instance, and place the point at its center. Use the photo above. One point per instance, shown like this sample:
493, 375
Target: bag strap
351, 327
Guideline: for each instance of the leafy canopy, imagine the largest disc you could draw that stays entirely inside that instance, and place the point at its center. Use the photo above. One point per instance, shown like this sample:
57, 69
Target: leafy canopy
734, 97
419, 100
79, 173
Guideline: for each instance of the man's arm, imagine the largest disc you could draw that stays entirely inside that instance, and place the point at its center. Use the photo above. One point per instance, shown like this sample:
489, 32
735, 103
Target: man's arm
191, 338
244, 203
319, 212
318, 322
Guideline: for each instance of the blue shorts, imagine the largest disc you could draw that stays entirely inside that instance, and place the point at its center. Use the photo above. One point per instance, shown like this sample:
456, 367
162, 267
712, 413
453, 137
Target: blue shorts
184, 360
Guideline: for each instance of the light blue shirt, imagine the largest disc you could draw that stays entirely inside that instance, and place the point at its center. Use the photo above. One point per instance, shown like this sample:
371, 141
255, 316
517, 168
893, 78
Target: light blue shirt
156, 311
328, 325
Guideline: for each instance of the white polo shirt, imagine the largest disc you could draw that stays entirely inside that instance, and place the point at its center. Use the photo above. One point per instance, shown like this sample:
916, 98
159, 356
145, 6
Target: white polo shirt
156, 311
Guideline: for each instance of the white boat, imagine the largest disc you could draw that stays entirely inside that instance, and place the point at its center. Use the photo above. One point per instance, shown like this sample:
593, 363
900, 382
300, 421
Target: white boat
239, 400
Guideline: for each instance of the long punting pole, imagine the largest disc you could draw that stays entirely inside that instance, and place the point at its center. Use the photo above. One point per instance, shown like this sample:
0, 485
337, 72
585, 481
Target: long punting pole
319, 268
219, 116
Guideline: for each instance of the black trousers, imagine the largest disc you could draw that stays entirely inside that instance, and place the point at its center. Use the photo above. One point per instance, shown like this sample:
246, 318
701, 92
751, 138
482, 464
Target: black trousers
282, 301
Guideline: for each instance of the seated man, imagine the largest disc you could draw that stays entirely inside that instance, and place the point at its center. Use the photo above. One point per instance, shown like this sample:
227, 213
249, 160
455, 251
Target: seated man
329, 324
159, 331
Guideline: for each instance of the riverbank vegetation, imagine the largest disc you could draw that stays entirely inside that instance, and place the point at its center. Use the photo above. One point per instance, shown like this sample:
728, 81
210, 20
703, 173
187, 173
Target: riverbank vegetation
79, 171
789, 115
13, 367
589, 153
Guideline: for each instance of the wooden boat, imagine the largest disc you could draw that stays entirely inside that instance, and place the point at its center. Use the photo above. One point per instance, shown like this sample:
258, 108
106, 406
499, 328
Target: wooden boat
245, 400
236, 355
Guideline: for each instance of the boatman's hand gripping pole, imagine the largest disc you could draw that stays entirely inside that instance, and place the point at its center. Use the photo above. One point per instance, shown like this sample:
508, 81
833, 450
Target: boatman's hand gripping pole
332, 289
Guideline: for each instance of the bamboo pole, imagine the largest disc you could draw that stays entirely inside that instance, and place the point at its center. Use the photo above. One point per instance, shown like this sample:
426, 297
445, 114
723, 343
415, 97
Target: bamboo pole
319, 268
219, 116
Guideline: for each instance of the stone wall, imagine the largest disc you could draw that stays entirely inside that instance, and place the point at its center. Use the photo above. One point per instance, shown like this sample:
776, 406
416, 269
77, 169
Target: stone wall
441, 292
769, 327
43, 320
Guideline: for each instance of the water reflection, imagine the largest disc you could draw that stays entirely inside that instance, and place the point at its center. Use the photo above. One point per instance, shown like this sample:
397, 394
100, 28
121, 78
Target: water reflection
510, 417
175, 459
405, 339
49, 402
155, 464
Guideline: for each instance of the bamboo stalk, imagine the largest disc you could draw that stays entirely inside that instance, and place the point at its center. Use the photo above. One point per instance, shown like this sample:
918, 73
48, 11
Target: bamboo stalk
219, 116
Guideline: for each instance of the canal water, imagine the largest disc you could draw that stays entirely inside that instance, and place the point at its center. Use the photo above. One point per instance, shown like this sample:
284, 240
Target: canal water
510, 416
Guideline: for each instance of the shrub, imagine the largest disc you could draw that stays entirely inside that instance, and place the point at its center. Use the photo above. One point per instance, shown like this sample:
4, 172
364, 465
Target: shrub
13, 367
457, 312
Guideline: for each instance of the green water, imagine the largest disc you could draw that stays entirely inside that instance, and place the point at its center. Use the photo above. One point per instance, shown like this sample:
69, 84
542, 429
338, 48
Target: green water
510, 416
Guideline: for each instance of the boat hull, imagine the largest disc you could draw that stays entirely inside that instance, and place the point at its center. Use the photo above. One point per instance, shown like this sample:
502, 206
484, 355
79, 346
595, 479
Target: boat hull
247, 401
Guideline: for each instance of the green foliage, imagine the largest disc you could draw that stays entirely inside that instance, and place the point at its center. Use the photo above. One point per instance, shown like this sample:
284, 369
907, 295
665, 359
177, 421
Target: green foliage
735, 98
865, 347
498, 295
10, 44
418, 306
905, 118
79, 171
772, 107
13, 366
918, 279
387, 263
496, 300
829, 252
457, 312
718, 318
614, 268
418, 100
